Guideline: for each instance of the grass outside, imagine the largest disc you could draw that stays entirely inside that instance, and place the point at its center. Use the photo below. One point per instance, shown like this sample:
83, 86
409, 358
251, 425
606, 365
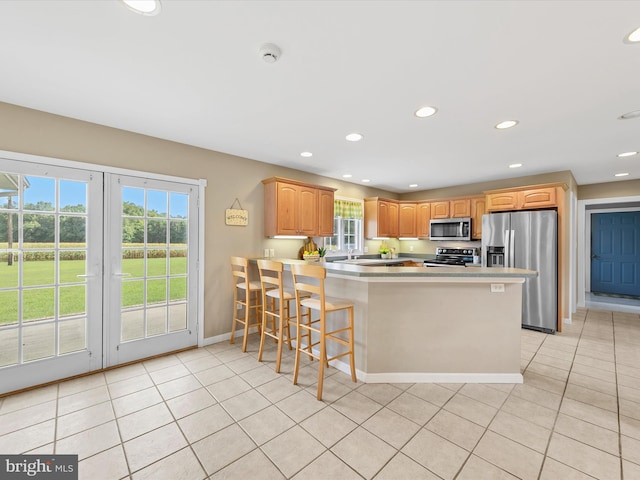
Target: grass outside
39, 303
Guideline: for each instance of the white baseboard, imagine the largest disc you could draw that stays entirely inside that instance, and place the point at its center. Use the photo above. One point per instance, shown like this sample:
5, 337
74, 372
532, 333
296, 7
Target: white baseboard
226, 336
416, 377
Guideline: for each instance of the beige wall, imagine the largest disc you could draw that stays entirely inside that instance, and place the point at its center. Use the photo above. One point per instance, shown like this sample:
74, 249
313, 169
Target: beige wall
627, 188
33, 132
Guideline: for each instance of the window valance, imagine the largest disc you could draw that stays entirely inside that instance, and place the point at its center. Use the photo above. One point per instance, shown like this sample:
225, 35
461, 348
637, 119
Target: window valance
347, 209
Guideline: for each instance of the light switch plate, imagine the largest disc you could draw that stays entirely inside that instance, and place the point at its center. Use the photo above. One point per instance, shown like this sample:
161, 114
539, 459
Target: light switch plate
272, 252
266, 253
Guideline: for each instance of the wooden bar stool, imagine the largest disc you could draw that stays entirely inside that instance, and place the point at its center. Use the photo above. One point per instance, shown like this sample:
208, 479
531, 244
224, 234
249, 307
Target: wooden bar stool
247, 294
302, 275
276, 303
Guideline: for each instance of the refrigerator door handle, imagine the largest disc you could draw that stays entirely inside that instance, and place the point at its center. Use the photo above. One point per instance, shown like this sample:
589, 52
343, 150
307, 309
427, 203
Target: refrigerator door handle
512, 253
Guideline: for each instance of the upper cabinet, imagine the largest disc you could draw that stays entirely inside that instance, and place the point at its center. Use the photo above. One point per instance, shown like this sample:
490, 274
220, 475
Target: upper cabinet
380, 218
458, 208
296, 208
407, 220
543, 196
440, 209
325, 212
478, 208
423, 219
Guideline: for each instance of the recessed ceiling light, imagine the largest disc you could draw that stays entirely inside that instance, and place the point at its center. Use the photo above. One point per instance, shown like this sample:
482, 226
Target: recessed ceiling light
624, 174
365, 180
630, 115
347, 175
515, 165
633, 37
354, 137
423, 112
413, 185
506, 124
144, 7
627, 154
306, 154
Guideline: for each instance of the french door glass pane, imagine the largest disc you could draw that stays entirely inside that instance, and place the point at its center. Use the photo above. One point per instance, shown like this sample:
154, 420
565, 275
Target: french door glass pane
154, 257
38, 341
72, 335
9, 353
43, 266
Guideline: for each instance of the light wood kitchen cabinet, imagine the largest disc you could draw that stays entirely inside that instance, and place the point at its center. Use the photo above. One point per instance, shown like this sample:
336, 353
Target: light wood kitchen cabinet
407, 221
538, 197
440, 209
325, 213
423, 219
394, 216
459, 208
478, 208
295, 208
529, 198
380, 217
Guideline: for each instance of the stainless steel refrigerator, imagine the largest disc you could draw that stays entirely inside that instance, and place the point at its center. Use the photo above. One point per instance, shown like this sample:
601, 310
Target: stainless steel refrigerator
527, 240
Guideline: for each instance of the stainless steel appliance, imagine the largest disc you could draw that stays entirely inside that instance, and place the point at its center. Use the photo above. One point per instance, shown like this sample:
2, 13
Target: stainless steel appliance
450, 257
529, 240
450, 229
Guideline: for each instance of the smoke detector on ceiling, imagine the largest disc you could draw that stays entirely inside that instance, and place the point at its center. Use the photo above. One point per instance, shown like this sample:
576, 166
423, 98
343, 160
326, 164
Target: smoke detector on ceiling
269, 52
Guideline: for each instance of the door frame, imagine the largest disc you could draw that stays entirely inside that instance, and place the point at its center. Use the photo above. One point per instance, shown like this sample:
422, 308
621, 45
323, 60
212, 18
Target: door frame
200, 183
585, 209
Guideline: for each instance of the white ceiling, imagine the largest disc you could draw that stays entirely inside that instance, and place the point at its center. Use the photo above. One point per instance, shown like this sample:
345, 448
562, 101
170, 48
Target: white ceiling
192, 74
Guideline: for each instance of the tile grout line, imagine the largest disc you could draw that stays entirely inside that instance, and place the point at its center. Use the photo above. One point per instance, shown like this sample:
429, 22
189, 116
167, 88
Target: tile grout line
115, 419
564, 391
615, 363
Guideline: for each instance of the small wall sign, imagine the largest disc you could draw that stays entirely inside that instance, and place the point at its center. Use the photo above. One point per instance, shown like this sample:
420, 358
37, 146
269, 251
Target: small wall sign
237, 216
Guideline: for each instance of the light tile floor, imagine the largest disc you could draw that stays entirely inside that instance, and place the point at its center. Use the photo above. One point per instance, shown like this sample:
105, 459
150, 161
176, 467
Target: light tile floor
217, 413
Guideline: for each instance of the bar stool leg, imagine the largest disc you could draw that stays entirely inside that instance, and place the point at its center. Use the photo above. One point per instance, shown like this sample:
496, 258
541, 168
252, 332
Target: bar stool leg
351, 347
296, 364
235, 315
264, 326
281, 321
323, 358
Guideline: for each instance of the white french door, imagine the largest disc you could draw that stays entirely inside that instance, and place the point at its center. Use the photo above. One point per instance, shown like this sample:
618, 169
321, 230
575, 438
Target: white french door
50, 273
96, 269
151, 267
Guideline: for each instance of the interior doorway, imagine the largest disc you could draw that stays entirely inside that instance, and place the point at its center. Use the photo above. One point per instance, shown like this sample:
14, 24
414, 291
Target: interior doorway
585, 209
615, 254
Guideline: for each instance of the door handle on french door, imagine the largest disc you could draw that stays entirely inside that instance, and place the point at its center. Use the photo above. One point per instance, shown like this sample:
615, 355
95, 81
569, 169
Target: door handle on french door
595, 256
121, 274
85, 276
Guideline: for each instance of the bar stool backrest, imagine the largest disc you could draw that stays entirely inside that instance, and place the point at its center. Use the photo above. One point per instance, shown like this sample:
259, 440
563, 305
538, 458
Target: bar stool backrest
240, 270
302, 285
271, 275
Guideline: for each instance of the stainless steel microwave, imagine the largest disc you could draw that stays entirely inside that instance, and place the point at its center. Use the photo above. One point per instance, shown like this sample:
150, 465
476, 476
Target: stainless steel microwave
450, 229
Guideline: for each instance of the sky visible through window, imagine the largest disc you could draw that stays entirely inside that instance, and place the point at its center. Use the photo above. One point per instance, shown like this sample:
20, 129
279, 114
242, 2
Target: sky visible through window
72, 193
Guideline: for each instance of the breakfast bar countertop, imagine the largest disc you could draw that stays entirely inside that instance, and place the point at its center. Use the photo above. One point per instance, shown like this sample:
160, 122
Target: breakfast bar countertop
435, 273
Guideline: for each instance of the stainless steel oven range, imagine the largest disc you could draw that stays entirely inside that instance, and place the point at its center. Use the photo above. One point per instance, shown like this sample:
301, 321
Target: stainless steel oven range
450, 257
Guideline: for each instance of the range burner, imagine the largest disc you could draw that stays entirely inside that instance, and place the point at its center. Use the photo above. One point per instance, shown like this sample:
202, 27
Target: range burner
450, 257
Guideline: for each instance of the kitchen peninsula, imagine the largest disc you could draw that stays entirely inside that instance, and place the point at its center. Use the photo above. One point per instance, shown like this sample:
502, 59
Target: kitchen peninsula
447, 325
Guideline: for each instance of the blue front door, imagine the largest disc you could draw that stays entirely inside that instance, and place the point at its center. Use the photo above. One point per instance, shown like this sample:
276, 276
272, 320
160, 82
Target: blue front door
615, 253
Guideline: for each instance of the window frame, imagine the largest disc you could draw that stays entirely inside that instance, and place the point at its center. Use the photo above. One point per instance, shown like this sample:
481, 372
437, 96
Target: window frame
339, 233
